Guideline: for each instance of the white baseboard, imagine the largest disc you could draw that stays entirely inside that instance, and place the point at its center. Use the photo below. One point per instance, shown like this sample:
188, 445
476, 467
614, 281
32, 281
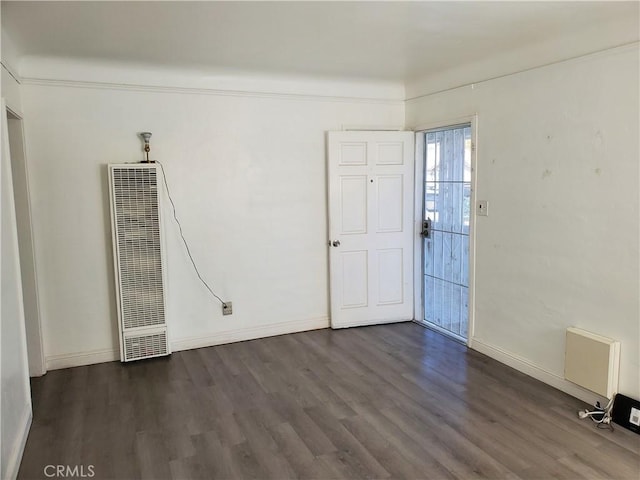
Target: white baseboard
100, 356
15, 457
250, 333
528, 368
69, 360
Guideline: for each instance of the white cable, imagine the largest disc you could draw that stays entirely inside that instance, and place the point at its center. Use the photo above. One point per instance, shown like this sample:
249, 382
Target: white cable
604, 412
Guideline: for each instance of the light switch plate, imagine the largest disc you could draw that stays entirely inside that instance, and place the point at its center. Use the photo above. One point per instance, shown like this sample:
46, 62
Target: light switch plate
482, 208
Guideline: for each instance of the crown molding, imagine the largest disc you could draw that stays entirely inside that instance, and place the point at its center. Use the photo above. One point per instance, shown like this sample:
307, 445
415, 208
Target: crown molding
415, 91
205, 91
11, 71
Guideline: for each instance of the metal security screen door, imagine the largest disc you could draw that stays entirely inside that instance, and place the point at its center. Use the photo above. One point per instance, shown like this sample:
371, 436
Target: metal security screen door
447, 212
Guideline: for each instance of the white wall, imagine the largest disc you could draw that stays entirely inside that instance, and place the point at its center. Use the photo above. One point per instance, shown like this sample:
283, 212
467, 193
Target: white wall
11, 91
558, 154
15, 402
557, 160
247, 173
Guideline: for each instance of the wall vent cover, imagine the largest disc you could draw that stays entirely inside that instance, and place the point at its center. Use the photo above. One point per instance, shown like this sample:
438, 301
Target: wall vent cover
592, 361
138, 260
145, 346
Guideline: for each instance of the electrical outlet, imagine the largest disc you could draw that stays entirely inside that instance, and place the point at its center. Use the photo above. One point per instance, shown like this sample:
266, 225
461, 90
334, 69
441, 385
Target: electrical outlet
227, 308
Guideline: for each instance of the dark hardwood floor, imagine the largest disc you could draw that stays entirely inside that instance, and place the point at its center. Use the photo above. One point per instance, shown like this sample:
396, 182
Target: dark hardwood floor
394, 401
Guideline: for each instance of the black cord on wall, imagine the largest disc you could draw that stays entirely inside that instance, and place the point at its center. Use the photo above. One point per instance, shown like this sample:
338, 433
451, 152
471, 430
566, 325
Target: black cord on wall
186, 245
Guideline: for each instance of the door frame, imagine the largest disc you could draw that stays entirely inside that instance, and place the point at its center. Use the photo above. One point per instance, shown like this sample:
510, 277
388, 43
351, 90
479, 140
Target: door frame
418, 267
27, 260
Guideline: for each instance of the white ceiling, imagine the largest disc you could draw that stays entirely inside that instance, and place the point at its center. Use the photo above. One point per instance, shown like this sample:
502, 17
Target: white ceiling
396, 41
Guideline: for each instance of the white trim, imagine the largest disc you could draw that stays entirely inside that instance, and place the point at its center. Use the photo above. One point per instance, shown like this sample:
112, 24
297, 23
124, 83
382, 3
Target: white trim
471, 317
6, 157
14, 96
528, 368
418, 301
16, 115
251, 333
447, 122
15, 457
419, 195
78, 359
11, 71
35, 353
229, 336
12, 463
373, 128
205, 91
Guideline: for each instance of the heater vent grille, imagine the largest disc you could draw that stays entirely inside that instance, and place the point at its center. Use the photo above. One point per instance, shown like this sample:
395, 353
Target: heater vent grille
145, 346
138, 253
138, 235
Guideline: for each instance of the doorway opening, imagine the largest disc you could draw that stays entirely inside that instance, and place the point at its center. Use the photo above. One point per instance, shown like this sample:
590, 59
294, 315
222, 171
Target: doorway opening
446, 227
20, 183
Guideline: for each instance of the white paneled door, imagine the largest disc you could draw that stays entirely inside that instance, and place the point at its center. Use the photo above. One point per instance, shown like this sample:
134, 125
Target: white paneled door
370, 227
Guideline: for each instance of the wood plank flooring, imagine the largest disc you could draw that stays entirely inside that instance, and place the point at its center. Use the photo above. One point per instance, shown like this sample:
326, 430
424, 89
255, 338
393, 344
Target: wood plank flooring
394, 401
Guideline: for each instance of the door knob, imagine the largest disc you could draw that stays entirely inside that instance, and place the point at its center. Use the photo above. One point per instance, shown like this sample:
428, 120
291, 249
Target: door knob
336, 243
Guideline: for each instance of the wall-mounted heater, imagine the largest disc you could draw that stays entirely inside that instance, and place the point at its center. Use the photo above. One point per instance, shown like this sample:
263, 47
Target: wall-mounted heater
592, 361
139, 260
